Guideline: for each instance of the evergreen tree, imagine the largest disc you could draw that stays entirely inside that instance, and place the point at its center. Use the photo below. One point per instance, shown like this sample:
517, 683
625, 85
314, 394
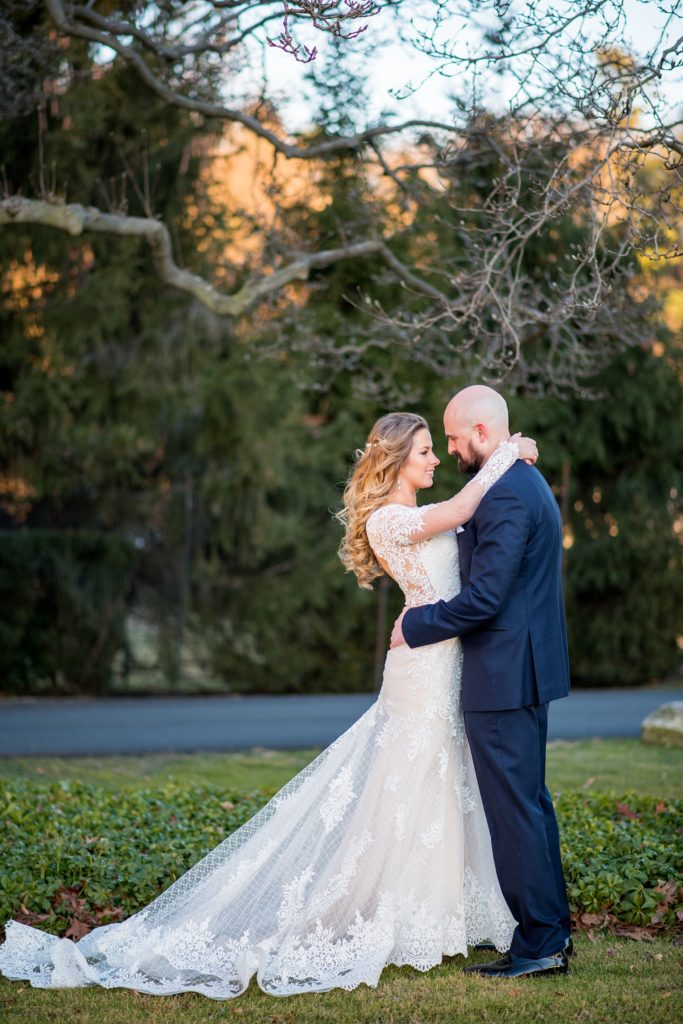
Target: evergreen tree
82, 376
621, 456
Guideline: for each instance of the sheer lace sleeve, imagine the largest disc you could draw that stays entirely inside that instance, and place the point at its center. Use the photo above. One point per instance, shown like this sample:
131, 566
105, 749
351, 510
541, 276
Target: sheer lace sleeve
505, 456
394, 532
447, 515
393, 526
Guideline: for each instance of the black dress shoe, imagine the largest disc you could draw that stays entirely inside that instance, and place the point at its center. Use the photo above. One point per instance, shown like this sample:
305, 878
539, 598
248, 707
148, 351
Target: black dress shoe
511, 966
488, 947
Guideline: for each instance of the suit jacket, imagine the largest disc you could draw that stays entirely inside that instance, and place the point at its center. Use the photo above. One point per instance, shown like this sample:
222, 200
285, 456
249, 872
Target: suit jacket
509, 613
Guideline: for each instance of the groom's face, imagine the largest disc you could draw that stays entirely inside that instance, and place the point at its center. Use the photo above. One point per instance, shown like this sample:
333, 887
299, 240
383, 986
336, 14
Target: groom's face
472, 461
464, 441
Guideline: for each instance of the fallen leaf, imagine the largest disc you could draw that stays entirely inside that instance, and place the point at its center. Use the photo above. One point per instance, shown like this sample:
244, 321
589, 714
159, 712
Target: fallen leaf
227, 805
110, 913
637, 934
69, 895
588, 783
624, 809
589, 919
26, 916
668, 889
77, 929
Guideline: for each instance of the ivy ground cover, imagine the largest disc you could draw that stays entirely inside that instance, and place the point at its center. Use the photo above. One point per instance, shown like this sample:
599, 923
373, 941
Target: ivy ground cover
77, 853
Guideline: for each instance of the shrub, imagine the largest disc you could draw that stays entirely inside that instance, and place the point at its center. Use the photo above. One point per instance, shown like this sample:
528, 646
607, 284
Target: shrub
623, 857
63, 597
77, 854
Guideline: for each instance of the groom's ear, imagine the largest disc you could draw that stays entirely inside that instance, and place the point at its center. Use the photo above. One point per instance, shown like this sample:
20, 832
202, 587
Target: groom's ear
481, 432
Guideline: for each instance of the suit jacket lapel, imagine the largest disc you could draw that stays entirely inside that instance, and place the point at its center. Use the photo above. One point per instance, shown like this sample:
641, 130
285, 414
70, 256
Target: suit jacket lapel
466, 544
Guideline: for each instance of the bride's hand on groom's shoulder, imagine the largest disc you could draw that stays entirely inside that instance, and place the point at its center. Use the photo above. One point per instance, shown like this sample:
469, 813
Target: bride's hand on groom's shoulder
397, 637
528, 449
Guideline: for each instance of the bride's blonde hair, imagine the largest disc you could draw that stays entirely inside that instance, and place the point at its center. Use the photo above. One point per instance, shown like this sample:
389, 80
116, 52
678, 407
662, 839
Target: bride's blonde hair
372, 480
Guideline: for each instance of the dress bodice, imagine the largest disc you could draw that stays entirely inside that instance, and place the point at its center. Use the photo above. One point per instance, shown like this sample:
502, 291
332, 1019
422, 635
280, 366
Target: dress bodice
426, 570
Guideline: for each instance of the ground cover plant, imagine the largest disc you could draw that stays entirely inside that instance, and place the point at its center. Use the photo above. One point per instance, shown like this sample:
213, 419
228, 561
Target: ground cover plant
77, 855
80, 852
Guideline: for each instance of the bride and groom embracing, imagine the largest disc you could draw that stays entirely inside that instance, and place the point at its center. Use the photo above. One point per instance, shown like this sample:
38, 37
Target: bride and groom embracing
425, 828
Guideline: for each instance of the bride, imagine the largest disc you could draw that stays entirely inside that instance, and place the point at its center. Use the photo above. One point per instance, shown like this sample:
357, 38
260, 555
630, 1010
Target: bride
378, 852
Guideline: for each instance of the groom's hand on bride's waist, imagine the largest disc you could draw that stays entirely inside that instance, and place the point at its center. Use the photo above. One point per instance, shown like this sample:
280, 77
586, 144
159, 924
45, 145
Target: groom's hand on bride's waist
397, 637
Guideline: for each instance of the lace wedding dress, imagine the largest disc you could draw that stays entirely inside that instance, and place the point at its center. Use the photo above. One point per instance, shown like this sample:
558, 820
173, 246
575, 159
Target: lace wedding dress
377, 853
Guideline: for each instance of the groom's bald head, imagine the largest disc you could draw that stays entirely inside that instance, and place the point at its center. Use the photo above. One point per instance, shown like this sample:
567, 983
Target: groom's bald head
475, 420
480, 404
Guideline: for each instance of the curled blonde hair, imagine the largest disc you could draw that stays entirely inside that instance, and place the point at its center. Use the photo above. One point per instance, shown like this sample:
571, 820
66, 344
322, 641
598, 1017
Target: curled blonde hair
372, 480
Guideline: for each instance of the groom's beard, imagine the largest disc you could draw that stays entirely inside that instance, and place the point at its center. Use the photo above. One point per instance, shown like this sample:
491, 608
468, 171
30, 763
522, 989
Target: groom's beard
472, 462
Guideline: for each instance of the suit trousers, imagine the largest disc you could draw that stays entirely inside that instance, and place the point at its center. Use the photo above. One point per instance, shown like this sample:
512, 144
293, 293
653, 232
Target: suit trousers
508, 750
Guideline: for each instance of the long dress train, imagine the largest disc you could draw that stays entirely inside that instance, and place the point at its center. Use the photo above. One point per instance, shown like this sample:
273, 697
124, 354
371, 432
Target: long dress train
377, 853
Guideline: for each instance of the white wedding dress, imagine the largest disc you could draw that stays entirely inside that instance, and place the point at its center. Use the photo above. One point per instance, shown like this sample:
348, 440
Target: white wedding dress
377, 853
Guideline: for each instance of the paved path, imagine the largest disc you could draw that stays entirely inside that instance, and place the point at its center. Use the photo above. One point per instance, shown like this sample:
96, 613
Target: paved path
32, 727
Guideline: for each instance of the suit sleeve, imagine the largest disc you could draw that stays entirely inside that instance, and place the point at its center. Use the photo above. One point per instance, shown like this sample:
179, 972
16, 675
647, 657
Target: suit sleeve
502, 533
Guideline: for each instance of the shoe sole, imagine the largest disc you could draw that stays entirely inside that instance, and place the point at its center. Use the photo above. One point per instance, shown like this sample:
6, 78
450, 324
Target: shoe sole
548, 972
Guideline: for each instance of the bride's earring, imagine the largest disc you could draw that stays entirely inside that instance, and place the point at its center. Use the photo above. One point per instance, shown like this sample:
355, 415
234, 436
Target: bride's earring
398, 485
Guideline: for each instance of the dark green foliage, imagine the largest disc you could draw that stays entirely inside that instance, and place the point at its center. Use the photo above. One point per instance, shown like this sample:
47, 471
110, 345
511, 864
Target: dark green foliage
623, 856
271, 607
624, 457
116, 851
120, 849
63, 596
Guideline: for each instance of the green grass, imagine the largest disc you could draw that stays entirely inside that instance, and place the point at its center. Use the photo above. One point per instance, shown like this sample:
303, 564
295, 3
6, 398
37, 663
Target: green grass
582, 765
615, 765
260, 769
612, 982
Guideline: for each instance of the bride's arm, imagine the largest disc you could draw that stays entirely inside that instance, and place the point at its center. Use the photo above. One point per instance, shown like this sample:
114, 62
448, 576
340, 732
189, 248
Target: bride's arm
446, 515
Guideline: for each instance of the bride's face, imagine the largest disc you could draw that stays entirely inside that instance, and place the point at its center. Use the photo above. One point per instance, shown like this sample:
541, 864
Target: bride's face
418, 469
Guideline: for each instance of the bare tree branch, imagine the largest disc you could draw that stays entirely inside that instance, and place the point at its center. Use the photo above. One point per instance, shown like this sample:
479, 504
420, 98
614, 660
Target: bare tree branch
557, 140
215, 110
76, 220
326, 17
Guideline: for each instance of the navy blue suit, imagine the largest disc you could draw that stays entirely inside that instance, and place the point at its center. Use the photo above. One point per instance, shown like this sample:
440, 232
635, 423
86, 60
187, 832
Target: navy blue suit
509, 615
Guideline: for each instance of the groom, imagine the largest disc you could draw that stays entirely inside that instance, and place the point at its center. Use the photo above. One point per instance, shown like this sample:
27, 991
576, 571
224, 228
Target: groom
510, 617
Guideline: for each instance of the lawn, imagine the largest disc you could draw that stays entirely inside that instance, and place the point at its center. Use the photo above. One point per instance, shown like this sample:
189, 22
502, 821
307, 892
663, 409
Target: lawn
261, 769
582, 765
613, 980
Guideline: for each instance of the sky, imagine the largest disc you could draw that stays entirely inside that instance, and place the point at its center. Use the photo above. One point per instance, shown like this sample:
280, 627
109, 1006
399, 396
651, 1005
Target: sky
392, 64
